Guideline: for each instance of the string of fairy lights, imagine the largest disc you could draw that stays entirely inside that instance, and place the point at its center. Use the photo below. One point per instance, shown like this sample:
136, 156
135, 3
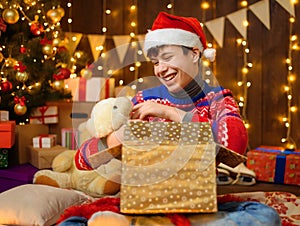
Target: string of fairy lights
243, 83
288, 88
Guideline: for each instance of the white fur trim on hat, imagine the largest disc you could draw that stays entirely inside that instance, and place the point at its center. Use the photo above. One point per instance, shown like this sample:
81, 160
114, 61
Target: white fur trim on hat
210, 54
171, 36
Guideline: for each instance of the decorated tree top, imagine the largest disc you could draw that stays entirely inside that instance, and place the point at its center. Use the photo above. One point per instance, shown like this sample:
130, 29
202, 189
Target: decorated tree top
34, 56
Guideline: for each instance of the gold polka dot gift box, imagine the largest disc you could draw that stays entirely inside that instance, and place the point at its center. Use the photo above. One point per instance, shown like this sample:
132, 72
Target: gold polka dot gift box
168, 167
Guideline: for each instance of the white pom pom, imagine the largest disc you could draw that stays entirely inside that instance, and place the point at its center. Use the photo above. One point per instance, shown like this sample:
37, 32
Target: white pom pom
210, 54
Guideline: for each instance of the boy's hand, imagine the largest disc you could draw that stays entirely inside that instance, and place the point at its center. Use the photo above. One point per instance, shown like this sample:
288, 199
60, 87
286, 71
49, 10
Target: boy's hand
152, 109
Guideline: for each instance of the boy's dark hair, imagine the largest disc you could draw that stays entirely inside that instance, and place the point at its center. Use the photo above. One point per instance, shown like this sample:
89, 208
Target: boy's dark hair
154, 50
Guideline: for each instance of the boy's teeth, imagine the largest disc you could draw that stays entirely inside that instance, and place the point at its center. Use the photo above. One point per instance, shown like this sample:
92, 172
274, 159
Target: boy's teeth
169, 77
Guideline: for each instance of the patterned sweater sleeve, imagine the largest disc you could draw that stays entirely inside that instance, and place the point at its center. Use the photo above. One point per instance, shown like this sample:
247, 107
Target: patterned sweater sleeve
227, 126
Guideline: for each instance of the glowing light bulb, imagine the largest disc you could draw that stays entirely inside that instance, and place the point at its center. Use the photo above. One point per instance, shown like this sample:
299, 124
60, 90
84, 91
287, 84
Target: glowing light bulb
245, 70
245, 23
204, 5
169, 6
133, 24
239, 41
244, 3
292, 78
286, 88
294, 38
292, 20
293, 109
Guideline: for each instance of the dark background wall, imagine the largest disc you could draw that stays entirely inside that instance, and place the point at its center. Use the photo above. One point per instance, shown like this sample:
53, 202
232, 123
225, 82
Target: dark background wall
268, 51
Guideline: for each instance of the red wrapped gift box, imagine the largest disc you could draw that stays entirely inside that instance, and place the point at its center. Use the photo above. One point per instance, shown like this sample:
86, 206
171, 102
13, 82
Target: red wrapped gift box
7, 134
44, 115
274, 164
92, 89
44, 141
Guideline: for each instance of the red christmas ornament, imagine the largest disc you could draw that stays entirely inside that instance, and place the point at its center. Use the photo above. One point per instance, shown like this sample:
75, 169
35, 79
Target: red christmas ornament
6, 86
65, 72
36, 28
23, 49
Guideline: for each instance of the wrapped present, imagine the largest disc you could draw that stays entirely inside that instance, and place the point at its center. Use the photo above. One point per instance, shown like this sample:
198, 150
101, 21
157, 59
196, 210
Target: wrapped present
42, 158
44, 141
275, 164
167, 168
92, 89
4, 115
70, 138
13, 176
44, 115
7, 134
23, 137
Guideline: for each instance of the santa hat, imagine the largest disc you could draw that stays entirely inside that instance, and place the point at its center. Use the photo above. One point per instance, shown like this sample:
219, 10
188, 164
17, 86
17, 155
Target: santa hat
168, 29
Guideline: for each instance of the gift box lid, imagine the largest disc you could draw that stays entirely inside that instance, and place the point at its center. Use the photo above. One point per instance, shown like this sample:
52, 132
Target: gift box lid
7, 125
23, 172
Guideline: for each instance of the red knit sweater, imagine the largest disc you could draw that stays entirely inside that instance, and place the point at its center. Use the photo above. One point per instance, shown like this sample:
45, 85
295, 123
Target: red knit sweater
214, 104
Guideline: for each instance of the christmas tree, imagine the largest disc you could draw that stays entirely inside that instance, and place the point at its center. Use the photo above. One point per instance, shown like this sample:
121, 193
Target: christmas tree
34, 56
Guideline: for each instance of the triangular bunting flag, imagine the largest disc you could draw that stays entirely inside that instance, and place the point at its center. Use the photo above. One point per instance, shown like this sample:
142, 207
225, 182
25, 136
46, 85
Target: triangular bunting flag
288, 6
237, 18
216, 28
141, 39
262, 11
73, 41
96, 41
121, 42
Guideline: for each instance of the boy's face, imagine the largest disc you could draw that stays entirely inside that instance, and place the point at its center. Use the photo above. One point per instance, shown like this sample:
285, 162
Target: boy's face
173, 68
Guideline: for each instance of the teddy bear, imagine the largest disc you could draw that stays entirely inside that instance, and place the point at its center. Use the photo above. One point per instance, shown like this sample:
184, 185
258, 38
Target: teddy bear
107, 116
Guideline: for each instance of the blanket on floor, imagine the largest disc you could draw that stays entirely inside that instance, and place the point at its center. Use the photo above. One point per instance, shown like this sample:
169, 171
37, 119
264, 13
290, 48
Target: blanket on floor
287, 205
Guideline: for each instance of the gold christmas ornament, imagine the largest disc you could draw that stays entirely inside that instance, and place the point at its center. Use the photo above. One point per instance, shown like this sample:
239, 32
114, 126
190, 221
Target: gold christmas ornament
29, 2
10, 62
86, 73
47, 49
20, 109
10, 16
61, 11
22, 76
58, 85
54, 15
